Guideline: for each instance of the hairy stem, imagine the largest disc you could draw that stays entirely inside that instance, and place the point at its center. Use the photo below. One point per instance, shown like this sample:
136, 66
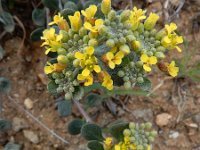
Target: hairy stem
82, 111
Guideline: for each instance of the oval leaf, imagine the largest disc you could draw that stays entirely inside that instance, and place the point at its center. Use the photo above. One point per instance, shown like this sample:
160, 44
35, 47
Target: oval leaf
146, 85
93, 99
38, 16
4, 85
92, 132
75, 126
71, 5
12, 146
7, 20
51, 4
5, 125
36, 34
95, 145
64, 108
52, 87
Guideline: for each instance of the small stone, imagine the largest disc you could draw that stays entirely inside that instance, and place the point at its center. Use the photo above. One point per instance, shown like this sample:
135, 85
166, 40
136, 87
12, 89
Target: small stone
173, 134
28, 103
18, 124
31, 136
163, 119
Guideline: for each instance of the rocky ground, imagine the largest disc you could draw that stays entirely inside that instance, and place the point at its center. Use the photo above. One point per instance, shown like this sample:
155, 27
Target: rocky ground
173, 106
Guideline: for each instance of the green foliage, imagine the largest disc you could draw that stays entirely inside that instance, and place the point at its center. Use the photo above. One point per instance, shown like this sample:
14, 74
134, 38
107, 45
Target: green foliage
5, 125
2, 52
116, 129
146, 85
12, 146
93, 99
70, 5
64, 107
38, 16
95, 145
4, 85
7, 20
92, 132
51, 4
52, 87
36, 34
75, 126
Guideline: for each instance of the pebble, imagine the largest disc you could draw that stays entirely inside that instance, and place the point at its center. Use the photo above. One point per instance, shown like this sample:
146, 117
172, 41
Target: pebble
163, 119
18, 124
28, 103
173, 134
145, 114
31, 136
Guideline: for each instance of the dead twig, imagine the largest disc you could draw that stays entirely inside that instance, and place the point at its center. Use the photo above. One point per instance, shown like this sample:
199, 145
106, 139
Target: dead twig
37, 120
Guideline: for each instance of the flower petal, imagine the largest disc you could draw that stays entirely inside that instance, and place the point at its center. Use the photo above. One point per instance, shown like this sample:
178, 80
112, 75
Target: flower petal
97, 68
146, 68
152, 60
90, 50
79, 55
144, 58
86, 72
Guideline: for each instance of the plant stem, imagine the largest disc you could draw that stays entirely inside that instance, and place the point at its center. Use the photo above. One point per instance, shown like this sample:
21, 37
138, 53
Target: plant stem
82, 111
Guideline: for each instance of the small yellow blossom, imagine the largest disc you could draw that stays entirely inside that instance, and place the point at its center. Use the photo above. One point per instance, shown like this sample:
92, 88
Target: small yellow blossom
108, 143
51, 39
107, 81
106, 6
90, 12
171, 40
172, 69
60, 21
114, 59
96, 27
148, 61
151, 21
75, 21
88, 80
136, 16
88, 61
50, 68
148, 147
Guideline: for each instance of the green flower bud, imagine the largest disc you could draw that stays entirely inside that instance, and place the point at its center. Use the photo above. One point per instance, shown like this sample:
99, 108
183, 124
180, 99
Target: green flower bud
132, 64
152, 39
160, 55
59, 90
125, 15
71, 89
61, 51
140, 80
93, 42
146, 34
139, 63
150, 22
110, 43
153, 49
132, 125
153, 133
127, 85
80, 42
130, 38
71, 33
102, 30
66, 89
160, 35
76, 37
107, 22
68, 96
127, 132
141, 28
126, 78
70, 55
124, 48
120, 73
136, 33
149, 53
153, 32
157, 43
65, 35
132, 139
76, 62
136, 45
68, 73
70, 43
86, 39
57, 81
75, 83
113, 24
65, 45
116, 40
62, 59
148, 125
142, 126
55, 75
112, 15
140, 147
151, 139
106, 6
82, 31
122, 40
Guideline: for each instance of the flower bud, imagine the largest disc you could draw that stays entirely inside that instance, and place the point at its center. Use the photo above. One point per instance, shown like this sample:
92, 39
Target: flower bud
124, 48
62, 59
126, 78
127, 85
140, 80
122, 40
132, 125
127, 132
76, 63
76, 37
82, 31
140, 28
136, 45
160, 55
93, 42
160, 48
112, 15
61, 51
125, 15
120, 73
86, 39
59, 90
64, 35
110, 43
150, 22
68, 96
106, 6
148, 125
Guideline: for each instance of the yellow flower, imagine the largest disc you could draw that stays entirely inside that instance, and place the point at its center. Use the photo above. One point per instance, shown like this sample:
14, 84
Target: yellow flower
171, 40
172, 69
151, 21
95, 28
136, 16
118, 147
148, 61
51, 39
49, 68
107, 81
108, 143
114, 59
88, 61
60, 21
149, 147
106, 6
88, 80
75, 21
90, 12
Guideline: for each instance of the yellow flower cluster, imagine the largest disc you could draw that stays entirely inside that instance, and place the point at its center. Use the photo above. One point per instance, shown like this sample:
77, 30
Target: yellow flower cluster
96, 47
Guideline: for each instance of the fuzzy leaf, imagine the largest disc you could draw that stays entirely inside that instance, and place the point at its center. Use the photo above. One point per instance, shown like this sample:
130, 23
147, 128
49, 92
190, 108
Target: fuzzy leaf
5, 125
70, 5
38, 16
4, 85
36, 34
93, 100
51, 4
91, 132
95, 145
146, 85
52, 87
7, 20
64, 108
2, 52
117, 129
66, 12
12, 146
75, 126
